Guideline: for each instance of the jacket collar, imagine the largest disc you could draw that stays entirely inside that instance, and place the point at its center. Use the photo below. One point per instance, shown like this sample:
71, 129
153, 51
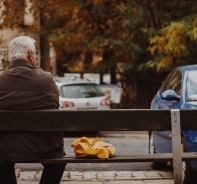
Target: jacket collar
20, 63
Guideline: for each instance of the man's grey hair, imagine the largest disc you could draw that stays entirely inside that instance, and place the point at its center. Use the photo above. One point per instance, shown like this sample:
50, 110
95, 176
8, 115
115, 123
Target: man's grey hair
20, 46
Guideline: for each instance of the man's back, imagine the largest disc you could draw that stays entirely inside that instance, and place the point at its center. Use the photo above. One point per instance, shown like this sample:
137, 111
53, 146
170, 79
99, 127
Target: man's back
24, 88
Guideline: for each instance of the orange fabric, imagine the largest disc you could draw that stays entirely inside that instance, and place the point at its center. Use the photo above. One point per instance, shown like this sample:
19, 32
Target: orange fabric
92, 147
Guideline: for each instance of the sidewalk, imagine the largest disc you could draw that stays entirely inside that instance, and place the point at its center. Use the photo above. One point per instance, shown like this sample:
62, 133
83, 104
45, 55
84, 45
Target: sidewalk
109, 182
102, 177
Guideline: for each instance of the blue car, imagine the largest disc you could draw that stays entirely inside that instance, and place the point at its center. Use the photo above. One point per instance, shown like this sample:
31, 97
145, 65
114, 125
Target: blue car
178, 91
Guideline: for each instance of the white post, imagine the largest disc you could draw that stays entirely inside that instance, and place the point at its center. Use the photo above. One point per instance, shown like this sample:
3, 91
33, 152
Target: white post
176, 146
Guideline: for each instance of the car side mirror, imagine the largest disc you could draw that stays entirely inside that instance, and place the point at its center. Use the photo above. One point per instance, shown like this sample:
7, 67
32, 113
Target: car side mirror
170, 95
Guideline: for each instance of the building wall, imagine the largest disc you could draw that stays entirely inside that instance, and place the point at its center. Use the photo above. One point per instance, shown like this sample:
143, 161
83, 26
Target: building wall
6, 35
28, 19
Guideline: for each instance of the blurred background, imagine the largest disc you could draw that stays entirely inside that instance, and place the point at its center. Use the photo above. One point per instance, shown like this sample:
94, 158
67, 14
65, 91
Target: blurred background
126, 46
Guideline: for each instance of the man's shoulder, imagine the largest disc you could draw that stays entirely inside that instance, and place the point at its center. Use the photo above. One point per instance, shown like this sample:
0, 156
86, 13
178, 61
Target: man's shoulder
43, 76
45, 73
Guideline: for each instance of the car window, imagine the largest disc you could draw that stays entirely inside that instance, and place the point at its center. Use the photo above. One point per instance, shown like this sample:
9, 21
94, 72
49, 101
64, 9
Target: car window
81, 91
165, 84
191, 86
173, 81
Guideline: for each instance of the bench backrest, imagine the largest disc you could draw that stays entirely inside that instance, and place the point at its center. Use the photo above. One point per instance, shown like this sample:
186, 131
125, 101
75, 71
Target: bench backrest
91, 120
106, 120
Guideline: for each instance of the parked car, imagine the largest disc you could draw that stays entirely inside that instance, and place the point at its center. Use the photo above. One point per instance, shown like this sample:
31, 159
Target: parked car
80, 94
178, 91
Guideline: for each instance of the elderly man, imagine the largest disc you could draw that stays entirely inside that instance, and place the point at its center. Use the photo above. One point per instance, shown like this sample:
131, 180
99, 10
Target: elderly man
23, 87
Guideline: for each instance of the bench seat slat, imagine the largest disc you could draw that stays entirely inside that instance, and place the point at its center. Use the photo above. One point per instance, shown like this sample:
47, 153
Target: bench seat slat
162, 157
189, 156
118, 158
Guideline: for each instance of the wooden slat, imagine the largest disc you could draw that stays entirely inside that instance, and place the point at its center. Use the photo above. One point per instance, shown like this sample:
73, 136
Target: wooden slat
188, 119
116, 159
189, 156
97, 120
163, 157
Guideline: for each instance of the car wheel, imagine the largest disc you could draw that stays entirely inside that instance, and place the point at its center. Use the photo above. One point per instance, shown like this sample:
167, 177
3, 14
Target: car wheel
188, 175
155, 165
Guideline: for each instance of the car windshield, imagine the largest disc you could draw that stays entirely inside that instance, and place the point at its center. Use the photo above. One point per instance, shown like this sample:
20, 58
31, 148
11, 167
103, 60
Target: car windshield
81, 91
191, 88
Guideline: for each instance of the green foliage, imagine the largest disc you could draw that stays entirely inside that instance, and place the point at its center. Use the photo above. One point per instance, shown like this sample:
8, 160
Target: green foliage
138, 33
138, 36
175, 44
104, 26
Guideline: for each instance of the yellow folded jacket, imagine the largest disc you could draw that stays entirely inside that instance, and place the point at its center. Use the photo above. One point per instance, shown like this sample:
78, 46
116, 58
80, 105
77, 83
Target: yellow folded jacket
92, 147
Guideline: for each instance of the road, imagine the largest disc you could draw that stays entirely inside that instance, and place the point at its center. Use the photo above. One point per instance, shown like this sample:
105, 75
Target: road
124, 142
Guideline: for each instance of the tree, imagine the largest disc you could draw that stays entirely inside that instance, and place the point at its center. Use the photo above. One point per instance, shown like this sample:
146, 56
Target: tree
132, 37
175, 44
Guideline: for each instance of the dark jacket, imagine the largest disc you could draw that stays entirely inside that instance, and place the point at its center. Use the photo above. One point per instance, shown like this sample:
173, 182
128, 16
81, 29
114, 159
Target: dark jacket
24, 88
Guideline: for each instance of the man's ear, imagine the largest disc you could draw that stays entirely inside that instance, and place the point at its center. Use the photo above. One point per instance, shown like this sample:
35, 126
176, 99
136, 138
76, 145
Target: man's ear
31, 58
30, 55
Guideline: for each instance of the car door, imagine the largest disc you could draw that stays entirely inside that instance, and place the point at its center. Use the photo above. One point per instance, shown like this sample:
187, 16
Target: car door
162, 139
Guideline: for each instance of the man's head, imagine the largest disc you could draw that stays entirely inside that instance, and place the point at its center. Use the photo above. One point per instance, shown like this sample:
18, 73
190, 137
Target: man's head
22, 47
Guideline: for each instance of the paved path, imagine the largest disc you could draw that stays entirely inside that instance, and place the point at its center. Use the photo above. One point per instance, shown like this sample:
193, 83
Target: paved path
110, 182
102, 177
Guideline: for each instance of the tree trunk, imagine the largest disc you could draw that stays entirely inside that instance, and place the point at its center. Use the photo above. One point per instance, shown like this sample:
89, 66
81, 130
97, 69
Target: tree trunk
113, 74
45, 55
44, 45
129, 98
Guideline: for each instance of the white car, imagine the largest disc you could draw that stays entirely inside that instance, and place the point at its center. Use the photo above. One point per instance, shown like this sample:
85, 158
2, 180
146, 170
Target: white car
80, 94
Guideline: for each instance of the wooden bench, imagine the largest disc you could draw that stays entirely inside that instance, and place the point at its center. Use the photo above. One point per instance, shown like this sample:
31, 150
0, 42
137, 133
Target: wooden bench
109, 120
